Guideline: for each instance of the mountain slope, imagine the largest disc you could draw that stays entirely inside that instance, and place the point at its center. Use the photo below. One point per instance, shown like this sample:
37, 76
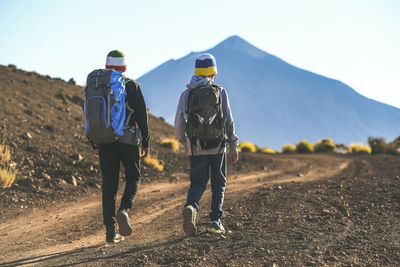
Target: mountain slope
41, 121
274, 102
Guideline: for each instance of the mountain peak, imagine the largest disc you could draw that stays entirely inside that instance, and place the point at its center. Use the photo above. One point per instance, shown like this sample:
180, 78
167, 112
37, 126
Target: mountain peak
235, 42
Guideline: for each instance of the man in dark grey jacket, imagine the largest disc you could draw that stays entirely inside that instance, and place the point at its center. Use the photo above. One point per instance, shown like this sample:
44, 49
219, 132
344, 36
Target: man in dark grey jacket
204, 160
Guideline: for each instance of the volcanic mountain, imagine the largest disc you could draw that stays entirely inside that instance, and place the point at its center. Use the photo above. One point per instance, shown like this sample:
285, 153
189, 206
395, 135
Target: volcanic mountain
274, 102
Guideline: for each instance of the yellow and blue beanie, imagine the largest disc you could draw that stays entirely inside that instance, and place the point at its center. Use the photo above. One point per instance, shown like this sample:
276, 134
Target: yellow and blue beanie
116, 60
205, 65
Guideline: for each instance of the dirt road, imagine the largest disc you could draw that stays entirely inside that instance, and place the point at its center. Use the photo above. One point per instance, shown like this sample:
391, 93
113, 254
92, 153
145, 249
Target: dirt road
72, 233
48, 236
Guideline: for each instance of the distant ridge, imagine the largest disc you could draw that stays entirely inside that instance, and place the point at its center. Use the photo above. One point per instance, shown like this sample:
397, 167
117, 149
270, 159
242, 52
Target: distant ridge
274, 102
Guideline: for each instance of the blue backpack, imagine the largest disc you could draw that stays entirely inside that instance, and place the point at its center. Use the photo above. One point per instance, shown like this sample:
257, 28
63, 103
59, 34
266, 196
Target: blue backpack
104, 108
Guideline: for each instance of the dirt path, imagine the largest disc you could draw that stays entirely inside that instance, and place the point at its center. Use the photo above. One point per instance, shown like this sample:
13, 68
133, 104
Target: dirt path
55, 232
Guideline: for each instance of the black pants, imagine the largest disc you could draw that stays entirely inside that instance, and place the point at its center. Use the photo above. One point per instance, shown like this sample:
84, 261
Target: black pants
200, 169
111, 155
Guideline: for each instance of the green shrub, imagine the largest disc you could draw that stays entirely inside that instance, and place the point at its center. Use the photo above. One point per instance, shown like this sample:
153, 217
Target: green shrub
288, 149
359, 148
378, 145
267, 150
247, 147
325, 145
304, 147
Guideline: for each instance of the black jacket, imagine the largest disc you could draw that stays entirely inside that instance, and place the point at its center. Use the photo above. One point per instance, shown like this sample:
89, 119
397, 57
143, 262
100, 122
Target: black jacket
135, 100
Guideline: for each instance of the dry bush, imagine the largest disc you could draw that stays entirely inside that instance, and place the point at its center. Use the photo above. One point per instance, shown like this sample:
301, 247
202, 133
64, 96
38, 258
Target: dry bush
171, 143
378, 145
7, 176
258, 149
153, 162
5, 154
267, 150
288, 149
393, 148
359, 148
7, 168
304, 147
247, 147
325, 145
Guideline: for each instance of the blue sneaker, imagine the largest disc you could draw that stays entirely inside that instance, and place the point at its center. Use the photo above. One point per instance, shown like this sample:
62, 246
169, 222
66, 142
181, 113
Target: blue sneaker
189, 221
216, 227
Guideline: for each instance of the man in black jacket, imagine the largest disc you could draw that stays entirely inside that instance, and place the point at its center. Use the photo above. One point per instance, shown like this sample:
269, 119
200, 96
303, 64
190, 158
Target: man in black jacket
111, 155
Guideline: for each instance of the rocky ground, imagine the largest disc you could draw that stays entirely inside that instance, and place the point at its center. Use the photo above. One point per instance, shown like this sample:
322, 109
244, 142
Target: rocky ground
280, 210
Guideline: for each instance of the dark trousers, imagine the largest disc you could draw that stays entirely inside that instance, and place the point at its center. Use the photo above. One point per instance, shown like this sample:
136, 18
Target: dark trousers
200, 168
111, 155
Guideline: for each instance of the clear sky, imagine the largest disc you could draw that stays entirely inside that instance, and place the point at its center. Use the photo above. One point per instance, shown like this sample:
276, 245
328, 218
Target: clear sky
355, 41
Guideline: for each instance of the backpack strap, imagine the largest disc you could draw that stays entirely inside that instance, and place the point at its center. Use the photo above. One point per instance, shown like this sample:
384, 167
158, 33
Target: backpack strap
188, 101
128, 119
222, 146
126, 79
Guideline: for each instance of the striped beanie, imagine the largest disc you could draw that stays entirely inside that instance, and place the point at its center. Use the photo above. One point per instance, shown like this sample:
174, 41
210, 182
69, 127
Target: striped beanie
116, 60
205, 65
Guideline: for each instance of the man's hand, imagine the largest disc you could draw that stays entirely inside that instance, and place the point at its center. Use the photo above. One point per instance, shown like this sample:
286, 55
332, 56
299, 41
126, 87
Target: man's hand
144, 152
96, 153
234, 157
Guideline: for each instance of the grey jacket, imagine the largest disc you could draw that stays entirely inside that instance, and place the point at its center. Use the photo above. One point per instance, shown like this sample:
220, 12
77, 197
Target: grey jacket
181, 118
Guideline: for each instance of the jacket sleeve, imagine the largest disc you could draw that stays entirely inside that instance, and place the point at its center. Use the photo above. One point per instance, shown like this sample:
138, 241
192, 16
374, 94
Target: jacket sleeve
140, 111
180, 123
233, 140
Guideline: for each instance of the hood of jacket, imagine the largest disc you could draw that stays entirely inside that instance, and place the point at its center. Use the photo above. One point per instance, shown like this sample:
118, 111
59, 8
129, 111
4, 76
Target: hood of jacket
196, 81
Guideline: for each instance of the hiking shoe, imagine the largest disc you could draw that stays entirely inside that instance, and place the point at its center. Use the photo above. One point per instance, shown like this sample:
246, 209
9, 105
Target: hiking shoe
112, 237
125, 227
216, 227
189, 221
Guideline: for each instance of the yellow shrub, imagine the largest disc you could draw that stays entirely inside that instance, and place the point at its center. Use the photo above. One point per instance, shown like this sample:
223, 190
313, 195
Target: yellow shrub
288, 149
267, 150
247, 147
5, 154
7, 170
7, 176
153, 162
171, 143
325, 145
359, 148
304, 147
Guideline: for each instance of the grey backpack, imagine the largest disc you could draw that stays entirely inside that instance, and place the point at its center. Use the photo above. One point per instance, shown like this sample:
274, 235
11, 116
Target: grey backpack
206, 122
104, 110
